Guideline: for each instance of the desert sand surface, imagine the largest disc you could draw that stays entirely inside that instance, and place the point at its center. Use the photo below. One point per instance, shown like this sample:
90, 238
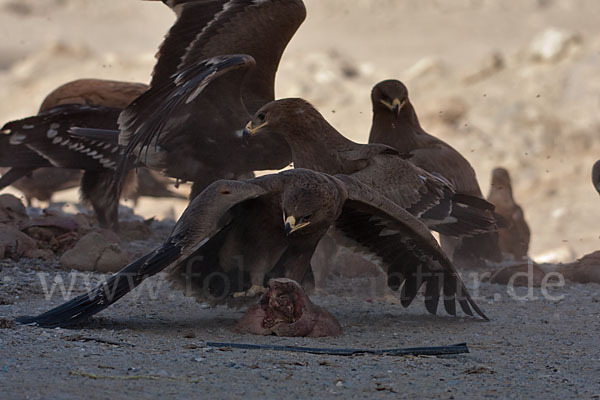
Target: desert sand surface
512, 84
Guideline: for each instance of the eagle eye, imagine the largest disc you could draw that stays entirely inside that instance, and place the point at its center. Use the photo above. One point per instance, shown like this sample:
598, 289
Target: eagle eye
306, 218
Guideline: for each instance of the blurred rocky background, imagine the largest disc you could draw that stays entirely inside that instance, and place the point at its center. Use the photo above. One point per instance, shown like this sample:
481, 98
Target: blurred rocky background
511, 84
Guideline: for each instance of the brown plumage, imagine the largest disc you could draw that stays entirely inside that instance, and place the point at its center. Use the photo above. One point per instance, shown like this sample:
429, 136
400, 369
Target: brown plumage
45, 141
42, 183
209, 28
596, 176
396, 124
318, 146
188, 123
19, 158
99, 92
514, 238
204, 147
238, 234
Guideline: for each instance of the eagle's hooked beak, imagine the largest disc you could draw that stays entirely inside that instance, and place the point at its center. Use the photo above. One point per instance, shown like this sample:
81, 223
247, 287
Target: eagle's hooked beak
395, 106
291, 226
250, 131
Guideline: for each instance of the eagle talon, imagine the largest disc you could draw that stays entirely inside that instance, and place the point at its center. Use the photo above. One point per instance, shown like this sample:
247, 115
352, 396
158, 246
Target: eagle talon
253, 291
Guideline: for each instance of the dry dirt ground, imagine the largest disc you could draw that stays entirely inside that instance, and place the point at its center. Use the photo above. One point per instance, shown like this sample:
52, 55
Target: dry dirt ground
153, 344
506, 83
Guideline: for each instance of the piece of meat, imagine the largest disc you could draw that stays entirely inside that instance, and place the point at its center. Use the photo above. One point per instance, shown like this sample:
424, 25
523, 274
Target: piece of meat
286, 310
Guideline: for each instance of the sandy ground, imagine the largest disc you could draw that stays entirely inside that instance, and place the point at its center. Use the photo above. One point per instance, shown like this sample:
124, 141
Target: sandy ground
535, 346
477, 79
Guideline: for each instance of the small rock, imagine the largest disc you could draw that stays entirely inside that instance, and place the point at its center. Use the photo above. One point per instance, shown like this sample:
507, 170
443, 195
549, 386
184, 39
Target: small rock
5, 301
482, 369
135, 230
189, 335
12, 210
60, 222
44, 254
53, 238
41, 234
7, 323
93, 252
85, 222
584, 270
523, 274
552, 45
112, 259
491, 65
53, 230
108, 235
428, 66
14, 243
563, 254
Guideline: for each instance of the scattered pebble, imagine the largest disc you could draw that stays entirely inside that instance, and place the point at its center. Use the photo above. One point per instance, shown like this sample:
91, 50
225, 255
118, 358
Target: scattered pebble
94, 252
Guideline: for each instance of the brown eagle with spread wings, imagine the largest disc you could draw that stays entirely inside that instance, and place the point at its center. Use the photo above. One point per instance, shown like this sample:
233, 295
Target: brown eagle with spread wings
236, 235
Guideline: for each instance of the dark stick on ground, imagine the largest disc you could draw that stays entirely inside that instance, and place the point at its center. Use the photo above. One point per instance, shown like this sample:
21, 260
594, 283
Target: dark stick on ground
460, 348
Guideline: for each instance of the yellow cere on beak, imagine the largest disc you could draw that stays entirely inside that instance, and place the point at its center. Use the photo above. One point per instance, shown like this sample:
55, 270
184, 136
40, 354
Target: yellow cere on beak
395, 106
253, 131
290, 225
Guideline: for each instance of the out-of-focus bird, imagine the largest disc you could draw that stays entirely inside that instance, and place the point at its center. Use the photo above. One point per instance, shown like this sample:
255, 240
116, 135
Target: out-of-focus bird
236, 235
44, 141
596, 176
45, 157
94, 92
396, 124
42, 183
514, 238
319, 146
